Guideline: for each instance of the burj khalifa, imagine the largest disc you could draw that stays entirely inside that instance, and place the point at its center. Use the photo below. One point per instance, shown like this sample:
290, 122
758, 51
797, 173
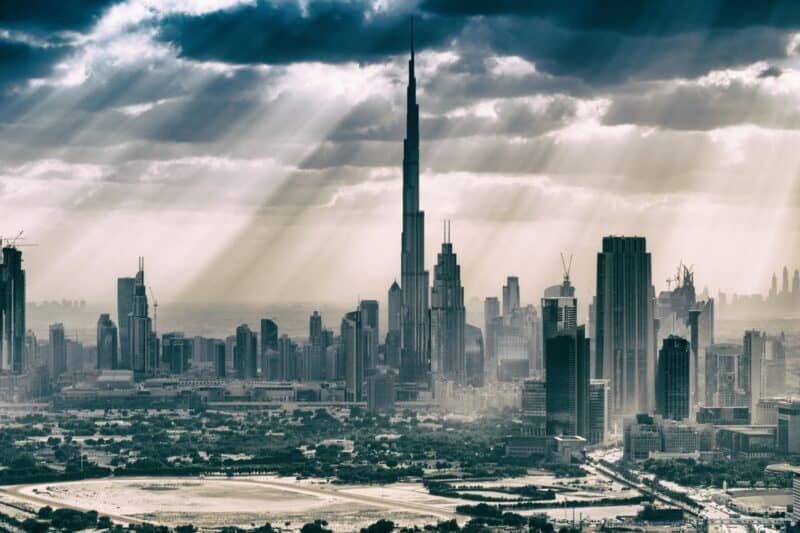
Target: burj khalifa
415, 360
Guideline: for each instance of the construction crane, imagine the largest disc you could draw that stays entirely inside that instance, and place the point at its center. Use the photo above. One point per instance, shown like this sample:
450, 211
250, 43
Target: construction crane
566, 265
12, 242
155, 309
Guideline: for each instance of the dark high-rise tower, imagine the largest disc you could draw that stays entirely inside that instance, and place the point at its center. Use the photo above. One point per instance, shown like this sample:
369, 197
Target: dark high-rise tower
673, 379
414, 277
12, 310
125, 289
625, 345
106, 343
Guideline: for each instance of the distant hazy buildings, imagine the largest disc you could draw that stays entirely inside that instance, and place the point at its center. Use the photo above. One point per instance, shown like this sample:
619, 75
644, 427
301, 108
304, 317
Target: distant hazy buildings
106, 343
625, 348
12, 311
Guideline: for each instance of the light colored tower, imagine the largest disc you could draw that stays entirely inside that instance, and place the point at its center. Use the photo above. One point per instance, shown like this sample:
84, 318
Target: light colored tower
414, 278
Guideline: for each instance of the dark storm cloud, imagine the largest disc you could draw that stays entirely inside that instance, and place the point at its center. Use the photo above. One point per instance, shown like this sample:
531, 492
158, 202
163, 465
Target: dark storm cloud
770, 72
282, 33
605, 58
598, 42
635, 17
21, 61
51, 15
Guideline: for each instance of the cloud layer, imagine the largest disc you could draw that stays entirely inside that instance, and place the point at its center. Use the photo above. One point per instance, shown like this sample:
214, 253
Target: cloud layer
253, 148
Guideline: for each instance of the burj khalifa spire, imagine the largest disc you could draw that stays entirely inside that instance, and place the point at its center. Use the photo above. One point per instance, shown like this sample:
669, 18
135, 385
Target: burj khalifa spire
415, 360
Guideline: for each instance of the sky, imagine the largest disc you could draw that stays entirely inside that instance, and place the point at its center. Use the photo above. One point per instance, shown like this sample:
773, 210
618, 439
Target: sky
251, 150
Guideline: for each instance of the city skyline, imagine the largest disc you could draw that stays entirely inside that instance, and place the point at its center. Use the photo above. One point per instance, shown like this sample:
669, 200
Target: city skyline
111, 148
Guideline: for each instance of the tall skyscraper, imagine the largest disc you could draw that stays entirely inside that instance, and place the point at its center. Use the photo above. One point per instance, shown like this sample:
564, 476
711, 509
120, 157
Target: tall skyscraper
448, 316
510, 295
270, 360
753, 353
314, 329
672, 379
370, 318
474, 353
58, 351
125, 290
701, 336
414, 278
140, 328
353, 349
244, 353
106, 343
395, 307
491, 311
12, 311
625, 348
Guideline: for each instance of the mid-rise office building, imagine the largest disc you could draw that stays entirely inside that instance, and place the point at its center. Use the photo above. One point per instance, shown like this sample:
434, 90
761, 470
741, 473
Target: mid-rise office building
598, 411
673, 379
106, 343
567, 371
380, 392
58, 351
245, 359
